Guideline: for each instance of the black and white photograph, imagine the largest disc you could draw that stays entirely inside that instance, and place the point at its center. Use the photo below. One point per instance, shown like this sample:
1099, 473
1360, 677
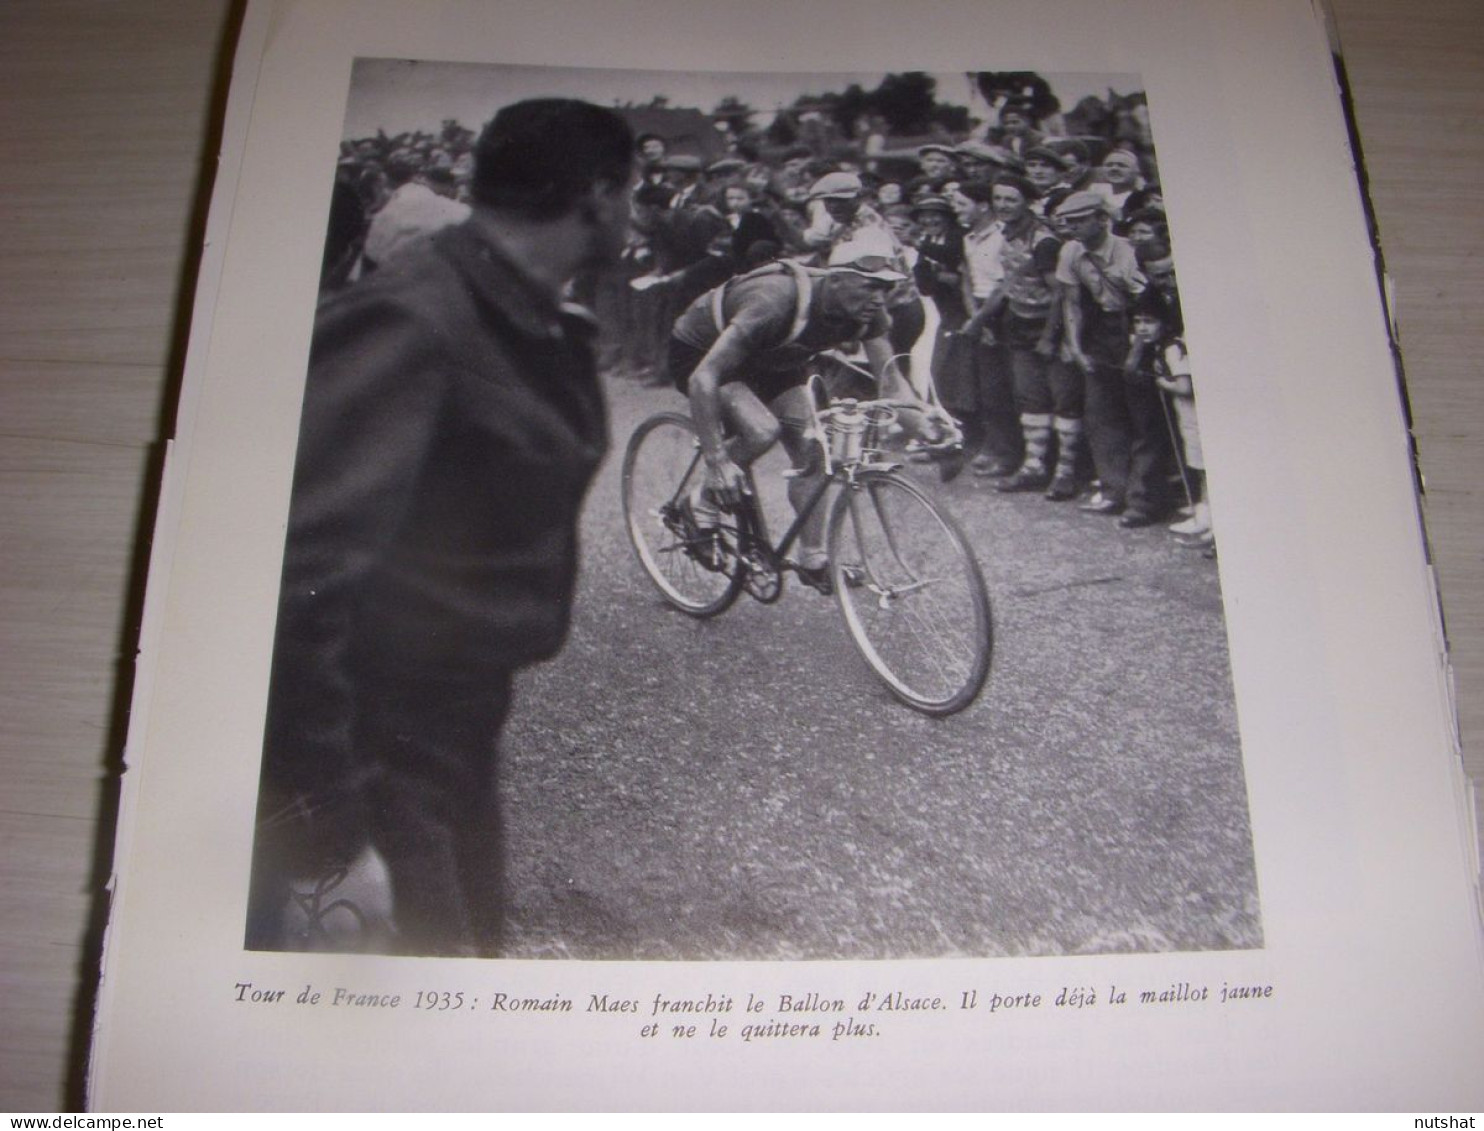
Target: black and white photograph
750, 516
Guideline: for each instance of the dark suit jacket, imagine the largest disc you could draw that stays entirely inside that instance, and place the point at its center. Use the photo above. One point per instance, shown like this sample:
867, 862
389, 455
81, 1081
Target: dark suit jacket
452, 422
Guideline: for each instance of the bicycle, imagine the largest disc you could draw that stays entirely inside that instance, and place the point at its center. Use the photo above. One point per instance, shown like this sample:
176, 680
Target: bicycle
906, 581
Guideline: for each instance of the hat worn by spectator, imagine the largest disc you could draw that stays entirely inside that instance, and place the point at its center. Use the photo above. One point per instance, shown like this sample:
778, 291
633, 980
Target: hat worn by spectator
1082, 204
682, 163
1014, 180
977, 191
993, 154
836, 186
1071, 151
726, 165
932, 204
1149, 304
934, 147
868, 253
1051, 202
1044, 153
653, 196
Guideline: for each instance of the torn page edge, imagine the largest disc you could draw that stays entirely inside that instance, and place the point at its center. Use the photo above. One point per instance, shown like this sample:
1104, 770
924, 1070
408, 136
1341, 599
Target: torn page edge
246, 63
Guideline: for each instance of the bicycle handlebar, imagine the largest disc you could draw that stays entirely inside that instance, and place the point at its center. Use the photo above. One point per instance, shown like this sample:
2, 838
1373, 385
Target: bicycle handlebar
889, 404
876, 414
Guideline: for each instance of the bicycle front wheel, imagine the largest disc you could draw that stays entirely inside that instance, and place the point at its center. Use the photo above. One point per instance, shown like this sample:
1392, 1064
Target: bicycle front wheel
660, 468
911, 592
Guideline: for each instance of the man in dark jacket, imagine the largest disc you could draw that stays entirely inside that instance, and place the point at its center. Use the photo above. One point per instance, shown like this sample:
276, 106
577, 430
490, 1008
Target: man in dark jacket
452, 422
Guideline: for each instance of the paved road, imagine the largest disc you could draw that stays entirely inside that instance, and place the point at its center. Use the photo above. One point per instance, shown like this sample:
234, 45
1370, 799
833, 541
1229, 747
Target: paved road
743, 787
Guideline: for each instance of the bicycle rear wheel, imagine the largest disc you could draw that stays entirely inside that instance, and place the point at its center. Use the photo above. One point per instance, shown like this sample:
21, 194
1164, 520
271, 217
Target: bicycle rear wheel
660, 468
911, 592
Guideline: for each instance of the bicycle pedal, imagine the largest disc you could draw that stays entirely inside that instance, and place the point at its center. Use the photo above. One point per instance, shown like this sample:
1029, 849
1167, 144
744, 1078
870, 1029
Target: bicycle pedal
711, 552
817, 578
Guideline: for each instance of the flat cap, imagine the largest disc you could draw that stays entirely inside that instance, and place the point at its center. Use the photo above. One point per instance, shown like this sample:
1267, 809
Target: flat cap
1044, 153
1122, 157
994, 154
932, 203
836, 186
1081, 204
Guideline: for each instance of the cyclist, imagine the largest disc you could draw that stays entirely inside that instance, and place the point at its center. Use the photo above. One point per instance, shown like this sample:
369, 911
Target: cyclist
742, 354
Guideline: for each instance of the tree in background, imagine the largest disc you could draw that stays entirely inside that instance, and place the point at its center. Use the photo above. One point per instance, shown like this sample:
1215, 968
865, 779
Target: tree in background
735, 114
906, 101
1019, 86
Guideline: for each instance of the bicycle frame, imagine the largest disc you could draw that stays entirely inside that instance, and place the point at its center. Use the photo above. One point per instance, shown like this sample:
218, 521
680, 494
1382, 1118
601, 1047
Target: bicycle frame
878, 414
903, 574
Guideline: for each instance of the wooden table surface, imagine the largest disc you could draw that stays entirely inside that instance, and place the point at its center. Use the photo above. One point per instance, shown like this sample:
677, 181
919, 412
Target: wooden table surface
106, 113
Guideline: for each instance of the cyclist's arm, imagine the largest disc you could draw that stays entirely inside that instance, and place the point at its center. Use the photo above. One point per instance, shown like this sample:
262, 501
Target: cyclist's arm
723, 360
890, 380
927, 421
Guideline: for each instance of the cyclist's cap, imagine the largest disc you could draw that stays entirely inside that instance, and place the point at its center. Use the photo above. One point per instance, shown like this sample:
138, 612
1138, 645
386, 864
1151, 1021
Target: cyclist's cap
867, 253
836, 186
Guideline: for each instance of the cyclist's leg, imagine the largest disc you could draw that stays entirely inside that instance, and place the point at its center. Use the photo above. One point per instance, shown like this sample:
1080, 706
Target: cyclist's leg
794, 410
750, 431
751, 428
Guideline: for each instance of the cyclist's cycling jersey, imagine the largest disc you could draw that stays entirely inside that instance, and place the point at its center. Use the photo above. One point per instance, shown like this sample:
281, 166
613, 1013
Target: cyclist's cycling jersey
764, 306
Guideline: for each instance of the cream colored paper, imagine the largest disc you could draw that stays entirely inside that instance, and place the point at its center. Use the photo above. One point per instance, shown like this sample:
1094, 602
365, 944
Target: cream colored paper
1373, 942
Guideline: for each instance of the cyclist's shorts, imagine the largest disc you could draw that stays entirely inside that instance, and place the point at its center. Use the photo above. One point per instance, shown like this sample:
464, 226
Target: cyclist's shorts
682, 359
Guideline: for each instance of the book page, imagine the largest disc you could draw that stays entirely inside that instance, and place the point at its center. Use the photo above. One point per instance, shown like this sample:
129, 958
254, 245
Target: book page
1194, 842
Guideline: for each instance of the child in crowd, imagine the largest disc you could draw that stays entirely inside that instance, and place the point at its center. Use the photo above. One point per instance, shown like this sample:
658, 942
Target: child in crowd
1157, 354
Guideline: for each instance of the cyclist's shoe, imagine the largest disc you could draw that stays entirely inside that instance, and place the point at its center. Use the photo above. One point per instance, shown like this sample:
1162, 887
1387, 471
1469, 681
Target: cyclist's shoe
819, 579
950, 461
816, 577
702, 536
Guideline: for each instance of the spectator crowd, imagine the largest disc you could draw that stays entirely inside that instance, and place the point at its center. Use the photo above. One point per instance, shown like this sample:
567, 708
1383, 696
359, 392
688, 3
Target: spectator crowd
1041, 306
